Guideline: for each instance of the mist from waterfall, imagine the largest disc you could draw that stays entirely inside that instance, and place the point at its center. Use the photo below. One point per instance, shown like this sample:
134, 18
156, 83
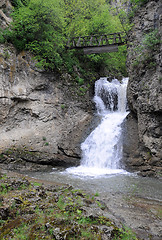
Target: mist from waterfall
102, 150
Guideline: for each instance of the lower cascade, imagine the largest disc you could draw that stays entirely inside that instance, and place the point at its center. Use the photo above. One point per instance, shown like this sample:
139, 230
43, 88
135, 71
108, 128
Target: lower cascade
102, 149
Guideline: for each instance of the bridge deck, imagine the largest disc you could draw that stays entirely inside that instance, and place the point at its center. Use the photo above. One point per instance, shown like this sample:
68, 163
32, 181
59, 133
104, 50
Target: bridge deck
98, 44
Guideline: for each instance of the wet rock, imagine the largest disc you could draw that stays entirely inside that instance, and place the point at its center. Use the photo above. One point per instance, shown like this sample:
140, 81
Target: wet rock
42, 194
57, 234
147, 173
108, 232
1, 199
4, 213
88, 201
101, 204
18, 201
47, 225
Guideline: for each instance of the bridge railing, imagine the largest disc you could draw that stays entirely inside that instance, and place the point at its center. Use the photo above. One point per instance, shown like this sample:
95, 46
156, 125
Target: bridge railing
97, 40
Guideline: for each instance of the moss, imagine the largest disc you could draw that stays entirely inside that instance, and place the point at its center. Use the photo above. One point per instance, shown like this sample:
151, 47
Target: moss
1, 59
63, 106
20, 153
160, 80
5, 229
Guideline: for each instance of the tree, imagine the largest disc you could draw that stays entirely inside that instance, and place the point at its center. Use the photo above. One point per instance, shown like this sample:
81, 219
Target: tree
43, 27
38, 27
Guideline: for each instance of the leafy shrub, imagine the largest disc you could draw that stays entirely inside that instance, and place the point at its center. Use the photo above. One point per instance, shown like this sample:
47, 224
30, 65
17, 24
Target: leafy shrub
2, 40
151, 40
43, 27
38, 28
19, 3
146, 49
80, 81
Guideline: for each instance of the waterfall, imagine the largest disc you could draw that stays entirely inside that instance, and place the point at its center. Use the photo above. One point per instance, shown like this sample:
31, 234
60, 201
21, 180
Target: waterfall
102, 149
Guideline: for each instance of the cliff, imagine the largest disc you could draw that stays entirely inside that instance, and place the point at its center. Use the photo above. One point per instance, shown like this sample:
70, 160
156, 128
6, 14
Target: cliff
143, 150
39, 111
45, 116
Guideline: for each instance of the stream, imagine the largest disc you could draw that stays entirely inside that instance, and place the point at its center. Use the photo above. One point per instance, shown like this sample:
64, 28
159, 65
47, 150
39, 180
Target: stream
135, 201
129, 183
101, 170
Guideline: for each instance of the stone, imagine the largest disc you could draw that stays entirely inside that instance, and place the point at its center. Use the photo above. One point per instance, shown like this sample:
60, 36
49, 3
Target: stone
144, 92
5, 10
4, 213
31, 114
18, 201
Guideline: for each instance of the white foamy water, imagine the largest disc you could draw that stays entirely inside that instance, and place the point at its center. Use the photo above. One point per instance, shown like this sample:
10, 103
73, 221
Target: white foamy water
102, 149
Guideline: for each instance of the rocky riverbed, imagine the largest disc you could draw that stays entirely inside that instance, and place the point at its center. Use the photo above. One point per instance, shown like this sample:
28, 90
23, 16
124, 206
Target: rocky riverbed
39, 209
31, 209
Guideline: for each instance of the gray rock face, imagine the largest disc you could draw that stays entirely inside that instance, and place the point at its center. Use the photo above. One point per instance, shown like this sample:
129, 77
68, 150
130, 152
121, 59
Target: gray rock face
145, 90
40, 112
5, 9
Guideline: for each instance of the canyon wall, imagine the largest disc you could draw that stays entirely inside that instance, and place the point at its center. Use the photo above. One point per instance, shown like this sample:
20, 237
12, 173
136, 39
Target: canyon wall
44, 117
40, 112
143, 147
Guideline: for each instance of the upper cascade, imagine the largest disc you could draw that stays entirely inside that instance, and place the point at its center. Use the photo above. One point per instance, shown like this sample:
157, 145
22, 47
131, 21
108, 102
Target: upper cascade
103, 148
110, 96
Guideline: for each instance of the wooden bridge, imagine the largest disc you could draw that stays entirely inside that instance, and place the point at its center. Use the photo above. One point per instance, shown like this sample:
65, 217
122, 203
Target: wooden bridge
98, 43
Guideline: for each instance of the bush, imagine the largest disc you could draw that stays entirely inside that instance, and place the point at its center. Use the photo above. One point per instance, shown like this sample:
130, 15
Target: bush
146, 49
43, 27
38, 28
151, 40
2, 40
19, 3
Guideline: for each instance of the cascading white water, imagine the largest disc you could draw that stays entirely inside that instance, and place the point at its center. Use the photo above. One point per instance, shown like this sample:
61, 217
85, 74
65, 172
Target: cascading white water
102, 149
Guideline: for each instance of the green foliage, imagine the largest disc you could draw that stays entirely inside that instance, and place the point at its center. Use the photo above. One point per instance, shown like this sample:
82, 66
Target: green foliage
82, 91
2, 39
43, 27
97, 194
139, 2
61, 204
38, 28
95, 17
135, 5
150, 41
62, 106
3, 188
4, 33
126, 234
116, 61
63, 209
145, 50
19, 3
37, 184
44, 138
90, 17
122, 14
80, 81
